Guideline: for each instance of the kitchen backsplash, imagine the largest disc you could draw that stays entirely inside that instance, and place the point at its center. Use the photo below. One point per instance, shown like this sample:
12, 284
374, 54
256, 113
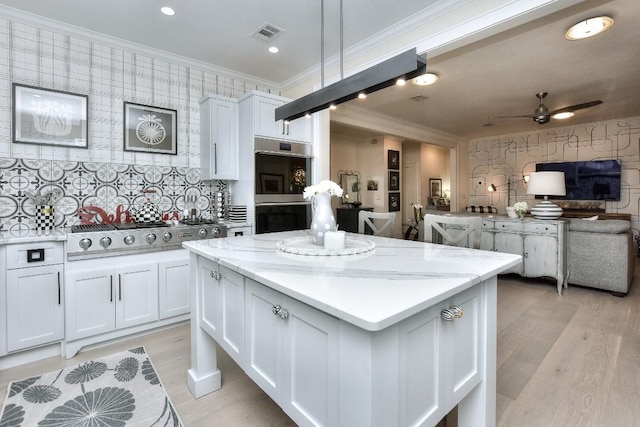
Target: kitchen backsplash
98, 192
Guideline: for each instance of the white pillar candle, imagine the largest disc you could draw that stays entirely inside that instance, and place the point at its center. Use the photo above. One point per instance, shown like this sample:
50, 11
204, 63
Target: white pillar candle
335, 240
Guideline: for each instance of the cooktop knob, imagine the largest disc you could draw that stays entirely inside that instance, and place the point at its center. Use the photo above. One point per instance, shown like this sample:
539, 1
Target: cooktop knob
166, 236
215, 232
150, 238
105, 242
202, 233
129, 240
85, 243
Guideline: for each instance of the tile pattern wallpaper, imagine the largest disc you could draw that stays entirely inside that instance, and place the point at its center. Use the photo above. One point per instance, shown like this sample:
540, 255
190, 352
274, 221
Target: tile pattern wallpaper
98, 192
498, 159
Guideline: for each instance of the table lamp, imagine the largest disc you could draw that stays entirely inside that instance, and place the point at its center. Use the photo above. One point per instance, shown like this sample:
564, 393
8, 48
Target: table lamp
549, 183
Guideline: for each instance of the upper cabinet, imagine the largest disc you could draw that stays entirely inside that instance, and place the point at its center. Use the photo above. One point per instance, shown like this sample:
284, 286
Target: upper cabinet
218, 138
265, 125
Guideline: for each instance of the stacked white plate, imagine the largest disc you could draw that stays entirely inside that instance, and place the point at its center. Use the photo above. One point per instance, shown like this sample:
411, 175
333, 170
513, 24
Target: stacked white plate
237, 213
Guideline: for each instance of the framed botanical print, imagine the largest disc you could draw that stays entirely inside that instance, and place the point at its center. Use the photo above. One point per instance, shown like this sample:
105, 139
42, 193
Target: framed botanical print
393, 160
394, 180
394, 202
49, 117
150, 129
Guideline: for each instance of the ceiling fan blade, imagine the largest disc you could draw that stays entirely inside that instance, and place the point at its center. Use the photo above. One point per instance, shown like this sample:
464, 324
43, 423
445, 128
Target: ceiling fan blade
528, 116
576, 107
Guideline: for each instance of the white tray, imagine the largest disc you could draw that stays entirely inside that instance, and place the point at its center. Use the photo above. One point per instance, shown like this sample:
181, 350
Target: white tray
305, 246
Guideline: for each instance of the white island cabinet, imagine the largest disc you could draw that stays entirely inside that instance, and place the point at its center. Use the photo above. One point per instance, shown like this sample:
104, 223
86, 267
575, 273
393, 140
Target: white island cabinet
396, 336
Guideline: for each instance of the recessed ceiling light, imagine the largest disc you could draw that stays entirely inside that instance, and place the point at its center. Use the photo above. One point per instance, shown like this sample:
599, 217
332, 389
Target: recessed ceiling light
274, 49
167, 11
362, 95
565, 115
589, 28
425, 79
401, 82
332, 106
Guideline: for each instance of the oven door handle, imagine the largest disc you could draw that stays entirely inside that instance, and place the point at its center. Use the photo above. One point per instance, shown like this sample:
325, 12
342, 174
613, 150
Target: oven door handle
282, 203
283, 153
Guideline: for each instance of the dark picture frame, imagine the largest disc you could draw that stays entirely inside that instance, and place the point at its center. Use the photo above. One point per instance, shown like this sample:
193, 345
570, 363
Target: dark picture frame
50, 117
372, 185
271, 183
394, 181
393, 160
394, 202
150, 129
435, 187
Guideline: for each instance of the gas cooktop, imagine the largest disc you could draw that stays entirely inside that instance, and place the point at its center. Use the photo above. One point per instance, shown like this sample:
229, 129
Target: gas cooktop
98, 240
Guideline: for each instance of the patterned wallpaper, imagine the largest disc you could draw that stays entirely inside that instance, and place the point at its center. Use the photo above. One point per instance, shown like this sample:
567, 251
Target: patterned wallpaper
498, 159
104, 174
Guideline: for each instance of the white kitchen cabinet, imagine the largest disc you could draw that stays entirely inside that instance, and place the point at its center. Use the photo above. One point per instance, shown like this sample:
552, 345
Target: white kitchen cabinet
265, 124
35, 310
34, 295
223, 307
173, 289
439, 360
3, 301
102, 300
290, 345
218, 138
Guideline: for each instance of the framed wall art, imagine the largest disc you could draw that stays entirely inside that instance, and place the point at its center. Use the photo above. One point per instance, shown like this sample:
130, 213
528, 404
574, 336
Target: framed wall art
49, 117
150, 129
435, 187
394, 181
394, 202
393, 160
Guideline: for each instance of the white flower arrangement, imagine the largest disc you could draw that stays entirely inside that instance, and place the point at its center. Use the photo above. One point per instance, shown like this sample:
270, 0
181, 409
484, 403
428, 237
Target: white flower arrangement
326, 186
520, 207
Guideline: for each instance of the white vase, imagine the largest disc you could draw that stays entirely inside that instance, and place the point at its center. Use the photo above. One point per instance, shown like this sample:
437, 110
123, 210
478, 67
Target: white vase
322, 217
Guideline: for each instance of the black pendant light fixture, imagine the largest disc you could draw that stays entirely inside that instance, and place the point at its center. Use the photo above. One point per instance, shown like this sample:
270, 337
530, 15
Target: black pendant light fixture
407, 66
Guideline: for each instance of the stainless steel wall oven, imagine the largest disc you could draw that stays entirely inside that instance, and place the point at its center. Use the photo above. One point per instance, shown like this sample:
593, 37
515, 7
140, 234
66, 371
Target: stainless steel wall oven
282, 171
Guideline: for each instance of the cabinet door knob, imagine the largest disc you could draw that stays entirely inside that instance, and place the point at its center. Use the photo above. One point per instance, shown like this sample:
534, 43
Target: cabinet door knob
526, 255
216, 275
452, 313
280, 312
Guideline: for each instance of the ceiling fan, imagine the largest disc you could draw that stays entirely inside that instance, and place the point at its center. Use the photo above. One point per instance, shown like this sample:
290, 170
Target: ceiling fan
542, 115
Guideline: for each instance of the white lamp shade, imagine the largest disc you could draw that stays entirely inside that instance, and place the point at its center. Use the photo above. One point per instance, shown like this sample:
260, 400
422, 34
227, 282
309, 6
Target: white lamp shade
548, 183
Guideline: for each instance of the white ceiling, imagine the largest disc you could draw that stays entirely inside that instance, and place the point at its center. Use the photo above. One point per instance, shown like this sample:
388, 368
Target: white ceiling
493, 77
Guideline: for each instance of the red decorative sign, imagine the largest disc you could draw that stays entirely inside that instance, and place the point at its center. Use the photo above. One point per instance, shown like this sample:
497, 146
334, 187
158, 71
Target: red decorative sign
97, 215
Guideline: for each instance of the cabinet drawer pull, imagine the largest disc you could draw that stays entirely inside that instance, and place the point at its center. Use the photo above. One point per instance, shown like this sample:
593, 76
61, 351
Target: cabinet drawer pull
110, 288
452, 313
119, 287
216, 275
59, 293
526, 254
280, 312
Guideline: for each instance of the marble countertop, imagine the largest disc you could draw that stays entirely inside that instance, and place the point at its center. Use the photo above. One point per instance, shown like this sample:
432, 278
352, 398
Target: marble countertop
8, 237
372, 290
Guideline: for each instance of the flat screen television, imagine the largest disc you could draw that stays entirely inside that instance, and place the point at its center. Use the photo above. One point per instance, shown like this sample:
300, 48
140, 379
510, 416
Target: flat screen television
588, 180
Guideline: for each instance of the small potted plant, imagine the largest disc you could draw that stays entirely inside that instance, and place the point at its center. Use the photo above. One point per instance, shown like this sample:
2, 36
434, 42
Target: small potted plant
521, 209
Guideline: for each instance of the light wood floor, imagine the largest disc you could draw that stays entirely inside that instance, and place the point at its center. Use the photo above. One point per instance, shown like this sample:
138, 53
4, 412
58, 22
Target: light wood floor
571, 360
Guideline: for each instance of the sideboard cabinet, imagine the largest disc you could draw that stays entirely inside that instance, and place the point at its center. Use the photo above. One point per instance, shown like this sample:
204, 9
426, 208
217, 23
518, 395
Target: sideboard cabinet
541, 243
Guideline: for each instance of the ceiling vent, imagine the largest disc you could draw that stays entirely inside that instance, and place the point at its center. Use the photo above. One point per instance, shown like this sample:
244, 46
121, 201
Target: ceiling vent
267, 33
419, 98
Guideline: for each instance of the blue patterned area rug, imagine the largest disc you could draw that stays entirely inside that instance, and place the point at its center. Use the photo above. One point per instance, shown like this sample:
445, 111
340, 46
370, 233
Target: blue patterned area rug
116, 391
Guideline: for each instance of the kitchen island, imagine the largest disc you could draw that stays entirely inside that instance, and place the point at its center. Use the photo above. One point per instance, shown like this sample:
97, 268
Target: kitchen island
392, 337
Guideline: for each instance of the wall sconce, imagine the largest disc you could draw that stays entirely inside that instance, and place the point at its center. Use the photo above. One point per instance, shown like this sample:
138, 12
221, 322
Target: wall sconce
491, 188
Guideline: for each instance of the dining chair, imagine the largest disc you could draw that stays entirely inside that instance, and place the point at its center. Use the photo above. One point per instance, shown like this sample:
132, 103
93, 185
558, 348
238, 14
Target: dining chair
453, 230
381, 223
